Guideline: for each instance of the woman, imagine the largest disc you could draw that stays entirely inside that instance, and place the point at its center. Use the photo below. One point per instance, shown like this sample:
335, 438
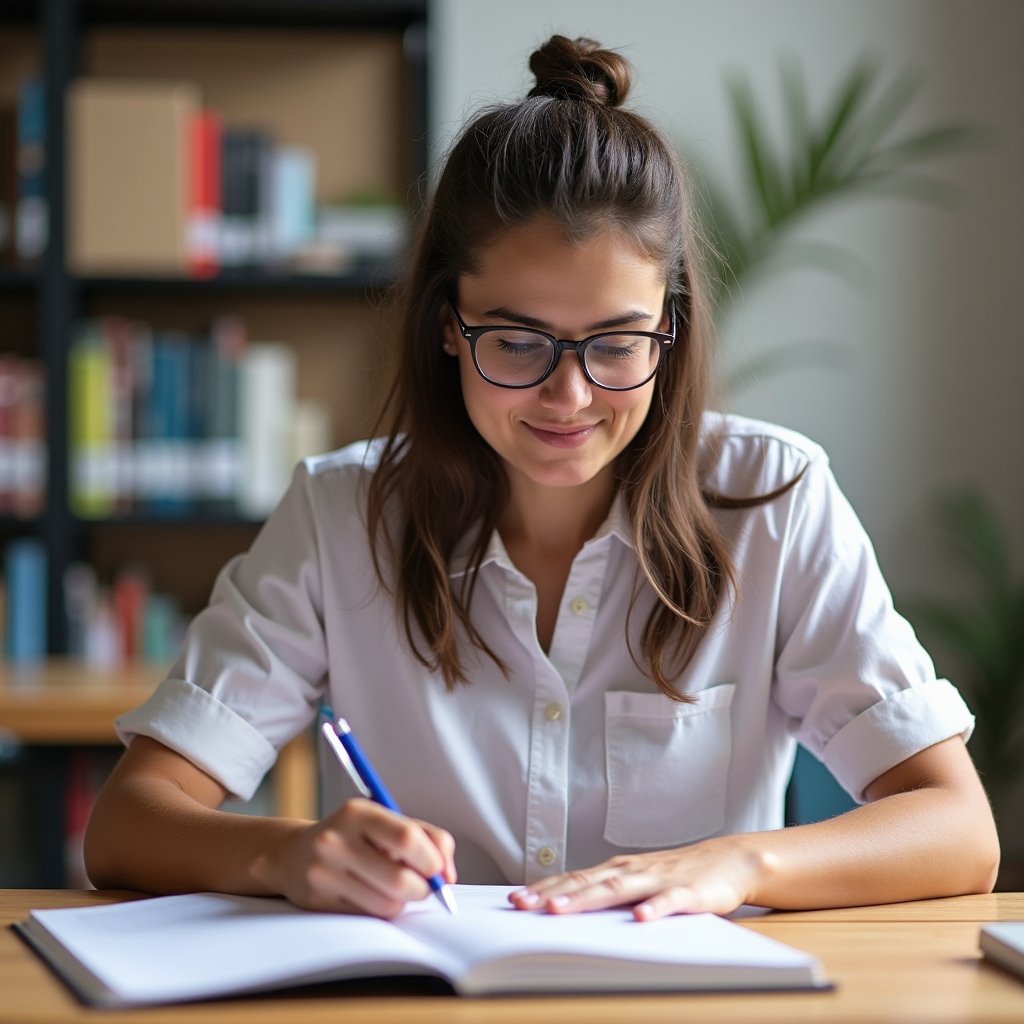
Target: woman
578, 622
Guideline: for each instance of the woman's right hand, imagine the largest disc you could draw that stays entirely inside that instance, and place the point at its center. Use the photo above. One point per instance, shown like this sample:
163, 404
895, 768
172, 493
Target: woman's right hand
363, 858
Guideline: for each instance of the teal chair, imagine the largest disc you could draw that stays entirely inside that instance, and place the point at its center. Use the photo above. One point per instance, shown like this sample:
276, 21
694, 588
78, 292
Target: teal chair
813, 793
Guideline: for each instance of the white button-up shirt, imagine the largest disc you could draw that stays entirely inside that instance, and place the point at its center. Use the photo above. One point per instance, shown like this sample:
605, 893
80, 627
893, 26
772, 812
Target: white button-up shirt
576, 755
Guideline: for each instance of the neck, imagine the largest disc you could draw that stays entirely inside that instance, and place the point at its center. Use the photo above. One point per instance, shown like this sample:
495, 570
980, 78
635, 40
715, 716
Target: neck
555, 520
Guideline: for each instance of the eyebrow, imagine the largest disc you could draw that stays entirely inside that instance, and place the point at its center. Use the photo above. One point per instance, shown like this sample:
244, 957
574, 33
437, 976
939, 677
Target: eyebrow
629, 316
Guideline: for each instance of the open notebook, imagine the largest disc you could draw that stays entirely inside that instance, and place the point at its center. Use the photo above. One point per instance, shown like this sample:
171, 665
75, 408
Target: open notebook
179, 948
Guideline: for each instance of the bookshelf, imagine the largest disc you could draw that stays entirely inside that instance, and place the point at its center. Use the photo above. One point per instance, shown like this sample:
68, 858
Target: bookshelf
346, 79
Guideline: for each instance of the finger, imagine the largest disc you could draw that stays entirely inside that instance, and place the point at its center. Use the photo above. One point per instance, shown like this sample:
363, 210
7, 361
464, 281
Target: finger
445, 843
346, 892
401, 839
613, 890
540, 893
680, 899
698, 897
355, 869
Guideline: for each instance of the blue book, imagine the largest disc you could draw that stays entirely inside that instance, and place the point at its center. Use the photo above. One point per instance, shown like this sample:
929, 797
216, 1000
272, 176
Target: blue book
25, 572
32, 215
165, 448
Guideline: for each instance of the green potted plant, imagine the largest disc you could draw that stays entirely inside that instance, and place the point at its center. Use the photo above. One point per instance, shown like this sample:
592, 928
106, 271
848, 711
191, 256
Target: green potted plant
852, 148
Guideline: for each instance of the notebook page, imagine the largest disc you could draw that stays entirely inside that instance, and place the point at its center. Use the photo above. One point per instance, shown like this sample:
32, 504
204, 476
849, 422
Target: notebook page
187, 947
488, 927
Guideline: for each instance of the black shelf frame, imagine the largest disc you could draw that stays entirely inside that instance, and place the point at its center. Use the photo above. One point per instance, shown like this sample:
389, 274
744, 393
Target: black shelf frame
60, 296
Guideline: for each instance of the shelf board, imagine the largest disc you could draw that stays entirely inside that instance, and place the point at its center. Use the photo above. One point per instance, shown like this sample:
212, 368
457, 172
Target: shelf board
18, 279
61, 701
190, 520
363, 277
256, 13
12, 524
18, 12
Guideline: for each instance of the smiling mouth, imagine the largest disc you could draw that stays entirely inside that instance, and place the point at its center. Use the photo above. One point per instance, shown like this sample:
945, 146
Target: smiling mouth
563, 436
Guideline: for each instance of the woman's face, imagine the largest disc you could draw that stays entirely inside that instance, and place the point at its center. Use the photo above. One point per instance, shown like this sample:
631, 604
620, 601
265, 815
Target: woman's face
565, 431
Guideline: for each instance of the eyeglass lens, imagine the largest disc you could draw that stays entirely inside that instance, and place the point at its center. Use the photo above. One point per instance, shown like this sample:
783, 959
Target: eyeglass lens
521, 358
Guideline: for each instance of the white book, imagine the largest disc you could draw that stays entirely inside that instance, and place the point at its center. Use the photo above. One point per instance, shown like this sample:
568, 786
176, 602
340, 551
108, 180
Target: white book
1003, 944
180, 948
266, 415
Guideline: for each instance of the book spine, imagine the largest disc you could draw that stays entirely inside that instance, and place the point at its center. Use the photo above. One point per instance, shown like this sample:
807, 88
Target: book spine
29, 440
169, 425
222, 442
118, 338
80, 596
267, 413
130, 593
204, 206
291, 210
32, 214
92, 484
25, 575
80, 791
8, 402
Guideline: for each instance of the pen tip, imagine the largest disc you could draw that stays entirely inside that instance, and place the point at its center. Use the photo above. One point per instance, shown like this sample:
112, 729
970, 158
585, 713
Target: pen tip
447, 897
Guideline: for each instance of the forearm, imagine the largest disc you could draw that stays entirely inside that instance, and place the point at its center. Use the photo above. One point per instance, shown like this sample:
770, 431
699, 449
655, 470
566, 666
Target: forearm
147, 833
911, 845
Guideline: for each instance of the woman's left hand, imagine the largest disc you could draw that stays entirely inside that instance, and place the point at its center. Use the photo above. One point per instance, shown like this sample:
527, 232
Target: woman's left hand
713, 876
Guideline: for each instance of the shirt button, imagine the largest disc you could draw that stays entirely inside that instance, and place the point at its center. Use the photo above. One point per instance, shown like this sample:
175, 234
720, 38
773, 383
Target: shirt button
553, 712
546, 856
579, 606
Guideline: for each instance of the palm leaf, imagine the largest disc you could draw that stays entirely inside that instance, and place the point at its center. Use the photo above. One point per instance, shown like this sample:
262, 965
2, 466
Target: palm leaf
796, 354
833, 157
831, 137
875, 123
762, 170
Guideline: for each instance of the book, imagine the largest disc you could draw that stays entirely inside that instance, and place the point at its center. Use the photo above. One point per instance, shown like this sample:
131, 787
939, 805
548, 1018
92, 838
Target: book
199, 946
91, 449
25, 562
1003, 944
31, 222
27, 441
266, 416
204, 201
128, 175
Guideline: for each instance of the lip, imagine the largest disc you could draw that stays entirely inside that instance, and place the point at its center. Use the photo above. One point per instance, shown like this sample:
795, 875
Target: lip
563, 436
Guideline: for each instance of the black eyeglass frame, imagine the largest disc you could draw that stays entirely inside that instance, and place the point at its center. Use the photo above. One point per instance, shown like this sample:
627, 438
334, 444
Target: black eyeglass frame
472, 335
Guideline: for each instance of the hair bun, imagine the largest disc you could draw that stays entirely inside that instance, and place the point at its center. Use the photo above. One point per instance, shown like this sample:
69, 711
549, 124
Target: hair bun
579, 69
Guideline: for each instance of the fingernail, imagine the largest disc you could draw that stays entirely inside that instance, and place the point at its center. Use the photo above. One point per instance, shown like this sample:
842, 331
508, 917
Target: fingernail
525, 897
558, 902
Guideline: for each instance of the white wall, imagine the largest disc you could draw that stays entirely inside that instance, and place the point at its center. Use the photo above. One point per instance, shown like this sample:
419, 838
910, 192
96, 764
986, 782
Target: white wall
931, 391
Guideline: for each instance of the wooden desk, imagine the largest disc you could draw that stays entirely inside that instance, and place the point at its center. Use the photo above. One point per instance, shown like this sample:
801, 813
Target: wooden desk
905, 962
63, 702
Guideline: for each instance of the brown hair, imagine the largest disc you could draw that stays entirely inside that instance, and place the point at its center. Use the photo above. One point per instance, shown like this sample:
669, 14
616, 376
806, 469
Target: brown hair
568, 151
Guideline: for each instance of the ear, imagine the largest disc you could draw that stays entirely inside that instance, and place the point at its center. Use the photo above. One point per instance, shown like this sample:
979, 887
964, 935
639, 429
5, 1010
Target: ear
449, 342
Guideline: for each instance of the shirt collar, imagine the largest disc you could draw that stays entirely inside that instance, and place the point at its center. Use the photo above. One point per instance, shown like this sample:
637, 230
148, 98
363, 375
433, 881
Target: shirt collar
616, 524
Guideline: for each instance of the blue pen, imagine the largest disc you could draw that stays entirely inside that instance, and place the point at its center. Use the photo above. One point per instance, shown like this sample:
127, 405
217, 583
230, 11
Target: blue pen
350, 755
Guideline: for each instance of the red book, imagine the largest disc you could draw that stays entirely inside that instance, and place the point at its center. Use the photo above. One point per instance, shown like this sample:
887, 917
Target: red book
130, 590
8, 405
204, 198
28, 440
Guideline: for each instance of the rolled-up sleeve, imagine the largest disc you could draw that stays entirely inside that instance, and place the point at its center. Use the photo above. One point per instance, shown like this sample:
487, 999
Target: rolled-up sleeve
859, 688
254, 660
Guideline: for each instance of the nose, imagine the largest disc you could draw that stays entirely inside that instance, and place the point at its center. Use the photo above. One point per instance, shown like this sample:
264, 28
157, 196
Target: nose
567, 389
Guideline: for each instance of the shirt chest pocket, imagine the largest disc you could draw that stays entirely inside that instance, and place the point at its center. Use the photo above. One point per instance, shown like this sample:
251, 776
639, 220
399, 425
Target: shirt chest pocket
667, 766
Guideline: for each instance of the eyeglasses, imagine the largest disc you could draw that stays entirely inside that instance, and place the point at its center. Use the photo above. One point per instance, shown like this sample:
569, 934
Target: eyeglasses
513, 357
